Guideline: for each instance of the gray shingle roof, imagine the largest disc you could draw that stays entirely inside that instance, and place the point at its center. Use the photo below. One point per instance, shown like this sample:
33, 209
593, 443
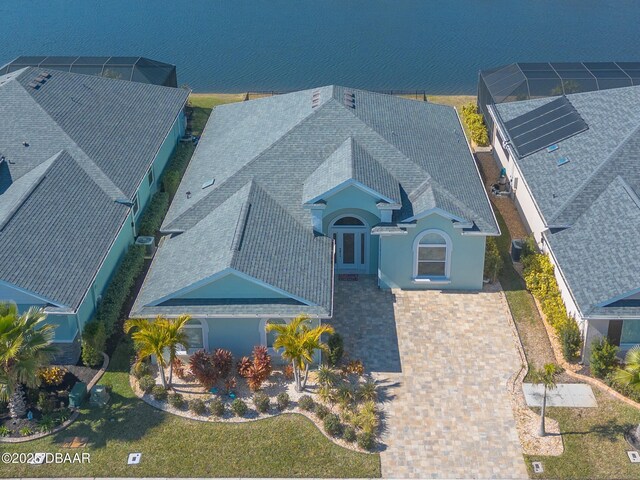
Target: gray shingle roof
71, 148
591, 202
293, 149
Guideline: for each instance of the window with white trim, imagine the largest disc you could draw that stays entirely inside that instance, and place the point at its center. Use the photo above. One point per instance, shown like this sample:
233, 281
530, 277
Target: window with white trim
194, 332
271, 336
150, 176
432, 255
136, 205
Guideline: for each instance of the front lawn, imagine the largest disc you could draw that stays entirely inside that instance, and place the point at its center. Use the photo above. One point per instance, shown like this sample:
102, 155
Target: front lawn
284, 446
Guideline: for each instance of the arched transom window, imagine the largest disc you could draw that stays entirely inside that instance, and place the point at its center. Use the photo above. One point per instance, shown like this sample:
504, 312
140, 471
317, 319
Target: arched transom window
432, 255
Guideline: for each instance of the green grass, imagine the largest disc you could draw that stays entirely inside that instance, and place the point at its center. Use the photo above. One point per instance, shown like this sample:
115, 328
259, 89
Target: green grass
593, 437
171, 446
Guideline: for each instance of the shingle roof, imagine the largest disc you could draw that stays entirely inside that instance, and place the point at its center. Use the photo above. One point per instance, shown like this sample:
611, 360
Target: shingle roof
71, 147
591, 202
294, 148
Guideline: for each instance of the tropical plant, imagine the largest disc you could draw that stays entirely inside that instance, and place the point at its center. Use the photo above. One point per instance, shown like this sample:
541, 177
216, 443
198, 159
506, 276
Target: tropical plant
366, 418
201, 365
604, 357
257, 369
159, 393
217, 407
366, 441
230, 384
239, 408
332, 425
25, 347
326, 376
46, 402
475, 124
222, 362
545, 376
354, 367
299, 342
26, 431
63, 415
46, 423
176, 400
261, 402
349, 434
150, 338
336, 349
175, 336
368, 391
282, 400
321, 410
197, 406
629, 376
52, 376
146, 383
493, 262
4, 431
140, 369
305, 402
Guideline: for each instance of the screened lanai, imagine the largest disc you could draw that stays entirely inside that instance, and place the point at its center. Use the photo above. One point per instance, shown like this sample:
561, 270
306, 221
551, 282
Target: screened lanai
524, 81
136, 69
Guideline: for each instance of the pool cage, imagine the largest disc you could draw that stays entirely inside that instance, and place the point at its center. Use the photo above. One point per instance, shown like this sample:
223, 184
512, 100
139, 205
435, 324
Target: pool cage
135, 69
524, 81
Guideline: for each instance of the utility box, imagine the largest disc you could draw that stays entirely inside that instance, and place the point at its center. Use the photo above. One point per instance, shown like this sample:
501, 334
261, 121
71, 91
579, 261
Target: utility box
150, 245
77, 395
516, 250
99, 396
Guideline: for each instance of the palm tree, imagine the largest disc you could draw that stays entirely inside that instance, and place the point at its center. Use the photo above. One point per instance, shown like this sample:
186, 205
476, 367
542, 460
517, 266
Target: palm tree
630, 376
299, 342
25, 347
150, 338
176, 336
545, 376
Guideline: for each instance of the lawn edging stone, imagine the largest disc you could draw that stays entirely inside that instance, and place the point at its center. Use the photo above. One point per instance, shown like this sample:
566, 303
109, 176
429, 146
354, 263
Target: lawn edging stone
96, 378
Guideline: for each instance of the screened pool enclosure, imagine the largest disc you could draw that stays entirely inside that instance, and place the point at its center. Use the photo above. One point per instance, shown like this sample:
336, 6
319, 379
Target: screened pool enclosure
135, 69
524, 81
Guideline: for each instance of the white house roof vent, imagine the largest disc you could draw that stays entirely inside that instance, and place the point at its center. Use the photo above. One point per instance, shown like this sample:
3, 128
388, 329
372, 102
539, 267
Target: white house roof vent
315, 98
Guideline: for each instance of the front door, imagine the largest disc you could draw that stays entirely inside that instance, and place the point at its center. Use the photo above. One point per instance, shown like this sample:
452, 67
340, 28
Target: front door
351, 247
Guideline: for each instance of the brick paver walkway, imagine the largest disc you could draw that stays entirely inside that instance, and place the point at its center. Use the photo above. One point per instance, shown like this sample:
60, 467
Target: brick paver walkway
443, 360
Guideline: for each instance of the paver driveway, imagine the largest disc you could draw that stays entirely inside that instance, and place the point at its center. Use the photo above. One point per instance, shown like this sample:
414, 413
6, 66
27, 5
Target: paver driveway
444, 360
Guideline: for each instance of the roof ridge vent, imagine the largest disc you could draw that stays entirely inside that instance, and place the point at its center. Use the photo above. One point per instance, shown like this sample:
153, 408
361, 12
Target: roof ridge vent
349, 99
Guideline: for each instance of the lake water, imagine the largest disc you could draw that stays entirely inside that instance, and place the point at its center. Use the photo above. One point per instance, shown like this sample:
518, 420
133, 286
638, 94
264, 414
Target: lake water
240, 45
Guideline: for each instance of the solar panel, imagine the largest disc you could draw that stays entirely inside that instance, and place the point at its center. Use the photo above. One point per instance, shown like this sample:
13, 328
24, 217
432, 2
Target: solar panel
545, 126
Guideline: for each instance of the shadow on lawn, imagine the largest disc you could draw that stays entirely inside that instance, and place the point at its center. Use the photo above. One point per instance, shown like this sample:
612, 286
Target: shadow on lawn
610, 430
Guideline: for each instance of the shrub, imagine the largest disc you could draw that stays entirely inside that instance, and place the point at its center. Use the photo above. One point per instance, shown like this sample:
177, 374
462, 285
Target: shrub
119, 288
475, 123
306, 403
146, 383
63, 415
366, 418
288, 372
257, 369
368, 391
230, 383
170, 182
4, 431
154, 214
326, 376
493, 262
321, 411
261, 402
354, 367
46, 403
217, 407
26, 431
203, 369
94, 338
239, 408
336, 349
366, 441
46, 423
529, 247
179, 369
626, 390
603, 358
332, 425
176, 400
197, 406
52, 376
222, 362
159, 393
282, 400
571, 339
349, 434
140, 369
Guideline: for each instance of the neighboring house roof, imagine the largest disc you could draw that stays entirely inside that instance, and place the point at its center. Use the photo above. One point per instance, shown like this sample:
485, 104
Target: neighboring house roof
296, 148
591, 203
72, 149
135, 69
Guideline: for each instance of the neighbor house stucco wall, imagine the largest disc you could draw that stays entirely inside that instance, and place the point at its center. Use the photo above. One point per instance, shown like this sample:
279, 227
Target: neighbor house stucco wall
397, 258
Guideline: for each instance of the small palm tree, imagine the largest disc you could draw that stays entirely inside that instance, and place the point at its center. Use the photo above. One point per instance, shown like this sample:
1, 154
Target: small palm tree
545, 376
299, 342
25, 347
150, 338
630, 375
176, 336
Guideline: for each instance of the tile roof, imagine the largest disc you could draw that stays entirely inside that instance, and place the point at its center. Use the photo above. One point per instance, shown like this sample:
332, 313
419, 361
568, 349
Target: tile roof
71, 148
591, 203
293, 148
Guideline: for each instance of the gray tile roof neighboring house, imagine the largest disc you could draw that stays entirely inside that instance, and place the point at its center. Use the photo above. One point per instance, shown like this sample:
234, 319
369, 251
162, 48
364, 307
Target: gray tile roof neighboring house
291, 149
591, 203
69, 148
